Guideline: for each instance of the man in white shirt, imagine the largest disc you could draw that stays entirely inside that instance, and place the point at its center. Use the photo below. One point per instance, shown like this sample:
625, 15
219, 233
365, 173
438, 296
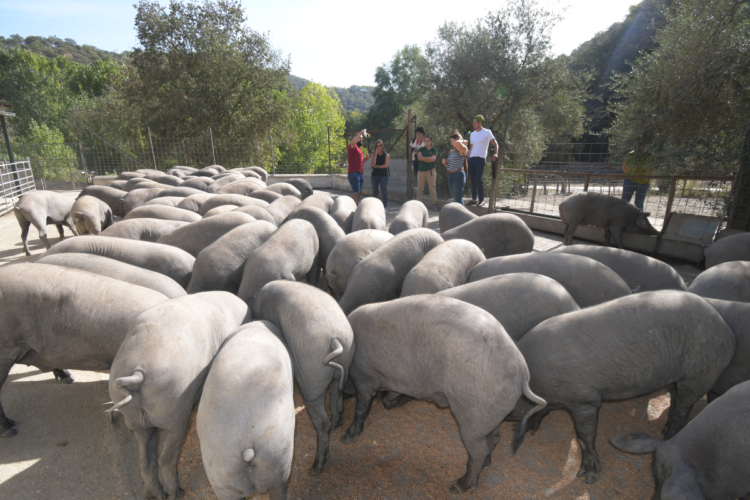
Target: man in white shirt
480, 141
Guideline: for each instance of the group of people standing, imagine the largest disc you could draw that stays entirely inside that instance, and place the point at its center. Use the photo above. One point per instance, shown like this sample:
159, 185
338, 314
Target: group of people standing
467, 158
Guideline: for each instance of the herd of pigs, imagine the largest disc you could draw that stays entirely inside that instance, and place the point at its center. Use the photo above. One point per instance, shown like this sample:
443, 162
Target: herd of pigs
210, 288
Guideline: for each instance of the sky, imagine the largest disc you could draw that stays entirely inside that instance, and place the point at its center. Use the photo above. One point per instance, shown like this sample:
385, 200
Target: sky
332, 42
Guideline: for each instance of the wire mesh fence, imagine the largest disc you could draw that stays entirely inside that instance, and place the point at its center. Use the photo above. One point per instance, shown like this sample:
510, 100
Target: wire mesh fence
15, 179
55, 166
394, 142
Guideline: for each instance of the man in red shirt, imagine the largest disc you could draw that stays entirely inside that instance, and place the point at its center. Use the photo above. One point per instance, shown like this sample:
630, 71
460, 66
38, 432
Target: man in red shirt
356, 165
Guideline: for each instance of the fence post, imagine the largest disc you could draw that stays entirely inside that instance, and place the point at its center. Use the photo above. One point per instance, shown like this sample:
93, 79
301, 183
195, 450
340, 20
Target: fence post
330, 167
213, 153
586, 183
83, 162
273, 156
670, 199
533, 193
152, 147
408, 155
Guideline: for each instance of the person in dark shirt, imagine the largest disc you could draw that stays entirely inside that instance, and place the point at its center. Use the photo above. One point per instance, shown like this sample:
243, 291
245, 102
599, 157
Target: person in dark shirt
427, 156
379, 163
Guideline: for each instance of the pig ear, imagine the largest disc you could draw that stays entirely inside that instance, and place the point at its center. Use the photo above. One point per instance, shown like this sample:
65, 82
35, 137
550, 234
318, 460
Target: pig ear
636, 443
682, 487
248, 454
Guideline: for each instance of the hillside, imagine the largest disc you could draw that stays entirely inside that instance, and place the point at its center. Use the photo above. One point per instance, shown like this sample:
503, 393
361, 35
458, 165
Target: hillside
54, 47
355, 98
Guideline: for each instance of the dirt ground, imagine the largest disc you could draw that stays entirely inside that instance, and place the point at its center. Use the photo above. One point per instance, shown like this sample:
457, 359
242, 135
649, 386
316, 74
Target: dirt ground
66, 449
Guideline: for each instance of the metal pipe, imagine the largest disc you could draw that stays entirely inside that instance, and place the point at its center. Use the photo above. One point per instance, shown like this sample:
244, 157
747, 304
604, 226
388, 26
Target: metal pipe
152, 147
213, 153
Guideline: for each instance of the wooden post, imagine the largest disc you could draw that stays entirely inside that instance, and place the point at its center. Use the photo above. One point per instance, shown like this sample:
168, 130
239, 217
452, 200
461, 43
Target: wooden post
586, 183
533, 193
408, 155
670, 199
493, 189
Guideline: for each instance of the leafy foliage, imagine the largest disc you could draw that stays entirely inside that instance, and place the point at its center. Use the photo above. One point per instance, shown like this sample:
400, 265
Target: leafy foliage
355, 98
53, 47
398, 87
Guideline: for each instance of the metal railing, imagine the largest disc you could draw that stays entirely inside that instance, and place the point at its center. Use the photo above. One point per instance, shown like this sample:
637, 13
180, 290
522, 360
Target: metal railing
15, 179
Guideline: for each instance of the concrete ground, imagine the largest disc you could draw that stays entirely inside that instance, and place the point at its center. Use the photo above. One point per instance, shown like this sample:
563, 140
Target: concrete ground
66, 449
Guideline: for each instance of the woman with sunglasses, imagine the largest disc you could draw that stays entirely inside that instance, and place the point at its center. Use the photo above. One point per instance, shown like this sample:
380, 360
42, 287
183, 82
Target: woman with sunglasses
379, 163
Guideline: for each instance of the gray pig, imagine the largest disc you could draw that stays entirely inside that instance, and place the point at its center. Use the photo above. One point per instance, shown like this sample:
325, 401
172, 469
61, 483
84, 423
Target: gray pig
411, 215
246, 443
640, 272
200, 183
230, 199
180, 191
727, 281
380, 275
735, 247
329, 233
284, 189
322, 201
157, 375
164, 259
267, 196
497, 235
290, 253
519, 301
126, 176
162, 212
446, 266
624, 349
708, 459
258, 170
142, 229
83, 335
220, 265
170, 201
221, 209
453, 215
41, 208
169, 180
147, 184
115, 269
91, 215
117, 185
223, 181
589, 282
342, 211
599, 210
321, 346
419, 346
108, 195
281, 208
370, 214
302, 186
257, 212
194, 202
243, 187
736, 315
137, 198
348, 253
196, 236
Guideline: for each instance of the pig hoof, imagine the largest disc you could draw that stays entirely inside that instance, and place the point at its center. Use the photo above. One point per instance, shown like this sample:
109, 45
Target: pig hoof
315, 470
459, 486
63, 376
487, 461
9, 433
337, 424
349, 438
591, 478
176, 496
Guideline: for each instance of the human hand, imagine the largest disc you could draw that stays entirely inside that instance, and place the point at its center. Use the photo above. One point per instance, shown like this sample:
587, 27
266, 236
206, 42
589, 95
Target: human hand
444, 162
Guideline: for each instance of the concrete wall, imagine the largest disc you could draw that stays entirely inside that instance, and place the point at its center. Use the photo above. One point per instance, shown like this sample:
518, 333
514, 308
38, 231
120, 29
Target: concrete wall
396, 182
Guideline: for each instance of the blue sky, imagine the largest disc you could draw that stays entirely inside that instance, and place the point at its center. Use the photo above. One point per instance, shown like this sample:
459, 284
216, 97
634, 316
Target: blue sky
330, 41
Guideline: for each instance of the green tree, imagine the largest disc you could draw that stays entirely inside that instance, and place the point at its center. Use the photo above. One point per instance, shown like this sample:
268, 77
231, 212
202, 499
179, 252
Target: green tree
398, 87
199, 66
315, 110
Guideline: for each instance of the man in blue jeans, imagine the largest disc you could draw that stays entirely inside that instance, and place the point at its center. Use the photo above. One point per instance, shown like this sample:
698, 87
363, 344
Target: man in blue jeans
480, 141
356, 165
634, 166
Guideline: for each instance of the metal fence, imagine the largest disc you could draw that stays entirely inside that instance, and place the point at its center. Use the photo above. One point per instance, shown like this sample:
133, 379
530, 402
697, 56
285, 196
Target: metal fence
16, 179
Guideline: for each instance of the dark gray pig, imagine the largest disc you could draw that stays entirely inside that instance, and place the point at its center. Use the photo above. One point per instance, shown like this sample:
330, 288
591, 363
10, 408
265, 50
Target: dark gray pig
257, 212
126, 176
284, 189
497, 235
243, 187
246, 444
453, 215
727, 281
108, 195
206, 172
302, 186
196, 236
370, 214
322, 201
258, 170
117, 270
142, 229
170, 201
137, 198
640, 272
708, 459
599, 210
222, 209
169, 180
220, 265
411, 215
342, 211
220, 183
164, 259
162, 212
735, 247
180, 191
329, 233
589, 282
519, 301
281, 208
624, 349
157, 375
133, 182
83, 335
91, 215
41, 208
419, 346
200, 183
267, 196
194, 202
736, 314
117, 185
380, 275
290, 253
321, 346
150, 185
218, 200
446, 266
348, 253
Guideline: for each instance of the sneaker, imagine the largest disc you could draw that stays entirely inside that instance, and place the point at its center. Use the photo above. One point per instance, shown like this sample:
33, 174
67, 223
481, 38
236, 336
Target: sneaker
435, 208
480, 204
472, 202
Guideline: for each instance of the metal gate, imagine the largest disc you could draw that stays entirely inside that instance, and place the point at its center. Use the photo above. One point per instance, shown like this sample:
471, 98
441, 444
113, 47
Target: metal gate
16, 179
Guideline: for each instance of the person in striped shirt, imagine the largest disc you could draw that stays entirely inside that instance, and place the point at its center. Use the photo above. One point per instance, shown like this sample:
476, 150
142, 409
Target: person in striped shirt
455, 165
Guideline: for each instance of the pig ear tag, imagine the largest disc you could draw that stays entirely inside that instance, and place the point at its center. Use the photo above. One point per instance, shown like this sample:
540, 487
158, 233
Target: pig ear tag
248, 454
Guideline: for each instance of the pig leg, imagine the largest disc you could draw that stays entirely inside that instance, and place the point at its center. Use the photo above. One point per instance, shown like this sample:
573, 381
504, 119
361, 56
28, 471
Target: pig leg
479, 451
317, 411
147, 460
617, 234
492, 439
536, 420
7, 426
170, 452
279, 492
61, 231
314, 273
336, 403
365, 395
585, 418
570, 230
25, 225
62, 375
684, 395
